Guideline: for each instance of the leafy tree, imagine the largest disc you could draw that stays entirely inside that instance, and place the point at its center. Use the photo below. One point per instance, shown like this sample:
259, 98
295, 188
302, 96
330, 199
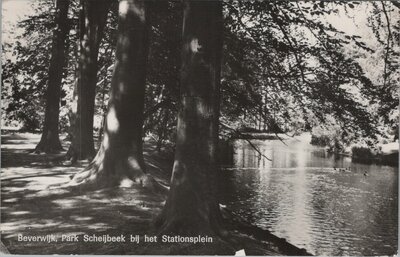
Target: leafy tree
50, 141
384, 22
25, 69
192, 205
93, 19
120, 157
283, 54
162, 91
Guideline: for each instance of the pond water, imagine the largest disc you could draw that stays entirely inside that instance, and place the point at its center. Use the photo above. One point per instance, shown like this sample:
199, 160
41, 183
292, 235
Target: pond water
302, 196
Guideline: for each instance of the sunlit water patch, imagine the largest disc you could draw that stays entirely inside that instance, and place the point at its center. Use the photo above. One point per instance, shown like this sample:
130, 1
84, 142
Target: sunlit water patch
328, 205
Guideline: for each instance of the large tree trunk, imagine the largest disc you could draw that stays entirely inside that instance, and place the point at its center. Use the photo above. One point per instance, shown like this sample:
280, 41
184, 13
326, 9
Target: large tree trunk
50, 141
119, 160
94, 15
192, 205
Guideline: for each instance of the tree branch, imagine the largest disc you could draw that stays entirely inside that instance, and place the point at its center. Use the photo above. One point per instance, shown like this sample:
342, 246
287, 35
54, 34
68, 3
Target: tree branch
385, 76
249, 141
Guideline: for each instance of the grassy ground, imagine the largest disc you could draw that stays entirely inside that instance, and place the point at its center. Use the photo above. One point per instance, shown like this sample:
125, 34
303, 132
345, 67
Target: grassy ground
29, 208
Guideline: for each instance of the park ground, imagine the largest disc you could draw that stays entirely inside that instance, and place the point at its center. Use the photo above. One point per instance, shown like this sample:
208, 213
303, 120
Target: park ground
30, 205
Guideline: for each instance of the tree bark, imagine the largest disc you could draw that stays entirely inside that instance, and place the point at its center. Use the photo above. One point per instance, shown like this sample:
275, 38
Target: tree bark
192, 205
50, 141
94, 14
119, 160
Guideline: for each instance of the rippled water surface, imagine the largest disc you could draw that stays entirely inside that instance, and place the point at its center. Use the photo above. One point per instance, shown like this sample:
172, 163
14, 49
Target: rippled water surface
301, 195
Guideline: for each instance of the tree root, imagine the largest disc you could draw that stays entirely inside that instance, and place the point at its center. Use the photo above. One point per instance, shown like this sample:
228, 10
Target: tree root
94, 177
73, 156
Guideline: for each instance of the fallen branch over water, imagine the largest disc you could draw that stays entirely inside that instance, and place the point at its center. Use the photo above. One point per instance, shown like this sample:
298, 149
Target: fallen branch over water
249, 141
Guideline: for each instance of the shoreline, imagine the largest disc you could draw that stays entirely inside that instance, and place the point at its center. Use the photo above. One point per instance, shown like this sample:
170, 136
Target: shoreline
388, 156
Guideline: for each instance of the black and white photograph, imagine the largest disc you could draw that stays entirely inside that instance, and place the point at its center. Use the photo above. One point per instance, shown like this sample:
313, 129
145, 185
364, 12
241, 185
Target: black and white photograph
200, 127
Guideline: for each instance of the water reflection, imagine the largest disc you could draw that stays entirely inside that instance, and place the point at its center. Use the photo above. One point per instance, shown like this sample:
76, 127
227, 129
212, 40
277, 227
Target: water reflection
302, 195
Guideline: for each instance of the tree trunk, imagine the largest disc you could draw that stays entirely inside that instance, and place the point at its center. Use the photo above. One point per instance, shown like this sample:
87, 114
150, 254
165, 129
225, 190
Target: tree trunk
192, 206
95, 16
119, 160
50, 141
162, 130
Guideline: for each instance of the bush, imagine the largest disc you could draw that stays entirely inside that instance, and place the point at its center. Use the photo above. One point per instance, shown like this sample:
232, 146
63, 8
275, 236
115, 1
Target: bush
321, 140
30, 118
360, 152
330, 136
